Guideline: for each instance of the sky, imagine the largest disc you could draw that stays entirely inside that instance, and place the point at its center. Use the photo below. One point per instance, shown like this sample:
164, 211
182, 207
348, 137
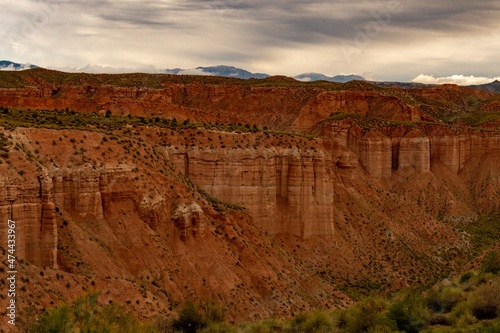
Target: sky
392, 40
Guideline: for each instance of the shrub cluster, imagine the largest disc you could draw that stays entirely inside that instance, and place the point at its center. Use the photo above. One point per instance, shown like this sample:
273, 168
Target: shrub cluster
4, 146
86, 315
468, 303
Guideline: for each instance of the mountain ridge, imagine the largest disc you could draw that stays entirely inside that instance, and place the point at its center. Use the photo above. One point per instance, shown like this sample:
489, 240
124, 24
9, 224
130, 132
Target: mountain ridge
341, 78
10, 65
491, 87
240, 73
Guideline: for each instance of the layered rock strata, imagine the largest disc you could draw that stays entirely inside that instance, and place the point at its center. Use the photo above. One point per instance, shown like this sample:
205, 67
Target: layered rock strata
36, 227
84, 194
412, 152
288, 191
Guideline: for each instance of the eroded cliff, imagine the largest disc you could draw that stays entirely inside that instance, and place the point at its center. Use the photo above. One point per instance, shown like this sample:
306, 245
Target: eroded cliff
320, 187
287, 190
140, 230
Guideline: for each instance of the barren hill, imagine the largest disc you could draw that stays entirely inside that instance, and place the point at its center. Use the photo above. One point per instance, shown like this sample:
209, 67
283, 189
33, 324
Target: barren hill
270, 196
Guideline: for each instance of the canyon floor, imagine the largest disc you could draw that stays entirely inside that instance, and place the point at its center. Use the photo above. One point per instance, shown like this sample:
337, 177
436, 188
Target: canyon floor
270, 196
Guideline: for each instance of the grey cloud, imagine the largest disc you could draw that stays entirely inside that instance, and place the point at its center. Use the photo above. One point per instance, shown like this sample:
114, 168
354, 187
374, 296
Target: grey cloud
284, 22
189, 33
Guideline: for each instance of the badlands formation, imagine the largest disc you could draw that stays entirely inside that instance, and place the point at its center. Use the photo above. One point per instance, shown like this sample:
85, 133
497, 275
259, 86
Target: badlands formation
269, 196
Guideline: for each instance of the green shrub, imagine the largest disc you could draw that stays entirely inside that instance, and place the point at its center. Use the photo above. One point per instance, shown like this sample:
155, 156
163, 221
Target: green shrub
190, 319
56, 320
484, 302
265, 326
491, 263
219, 328
409, 314
313, 322
443, 300
214, 313
368, 316
466, 276
461, 316
86, 315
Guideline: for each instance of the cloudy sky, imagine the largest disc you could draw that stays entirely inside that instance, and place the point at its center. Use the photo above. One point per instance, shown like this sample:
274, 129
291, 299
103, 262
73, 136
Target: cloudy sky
380, 39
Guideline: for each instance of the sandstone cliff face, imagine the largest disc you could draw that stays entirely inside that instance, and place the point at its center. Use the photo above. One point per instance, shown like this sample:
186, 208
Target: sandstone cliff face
144, 235
414, 155
32, 207
385, 151
288, 191
36, 228
454, 150
375, 153
365, 103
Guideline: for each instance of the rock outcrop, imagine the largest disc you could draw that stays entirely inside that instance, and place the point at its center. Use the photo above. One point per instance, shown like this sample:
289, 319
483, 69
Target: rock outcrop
100, 225
288, 191
190, 220
36, 230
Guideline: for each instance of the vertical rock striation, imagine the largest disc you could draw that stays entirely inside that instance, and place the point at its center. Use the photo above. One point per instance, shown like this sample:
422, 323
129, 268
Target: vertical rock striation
288, 191
375, 153
33, 207
414, 155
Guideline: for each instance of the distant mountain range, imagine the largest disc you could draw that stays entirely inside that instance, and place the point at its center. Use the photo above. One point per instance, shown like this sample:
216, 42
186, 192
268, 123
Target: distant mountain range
234, 72
221, 70
230, 71
225, 71
307, 77
6, 65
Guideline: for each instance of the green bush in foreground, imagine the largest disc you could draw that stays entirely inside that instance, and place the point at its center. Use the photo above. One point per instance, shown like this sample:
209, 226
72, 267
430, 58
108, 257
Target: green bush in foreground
190, 319
468, 303
86, 315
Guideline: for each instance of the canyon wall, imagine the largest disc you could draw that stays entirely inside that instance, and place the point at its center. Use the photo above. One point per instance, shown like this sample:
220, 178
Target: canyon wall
82, 193
284, 105
412, 151
287, 191
142, 231
36, 227
293, 108
292, 191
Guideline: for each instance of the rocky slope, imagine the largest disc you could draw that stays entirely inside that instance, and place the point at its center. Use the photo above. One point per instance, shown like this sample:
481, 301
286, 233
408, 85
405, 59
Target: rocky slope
345, 187
138, 230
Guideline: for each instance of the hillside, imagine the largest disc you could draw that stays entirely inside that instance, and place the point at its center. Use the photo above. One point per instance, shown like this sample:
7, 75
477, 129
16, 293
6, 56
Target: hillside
271, 196
491, 87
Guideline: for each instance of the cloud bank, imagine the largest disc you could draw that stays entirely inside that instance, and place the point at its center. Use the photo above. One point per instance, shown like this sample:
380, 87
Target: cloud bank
95, 69
460, 80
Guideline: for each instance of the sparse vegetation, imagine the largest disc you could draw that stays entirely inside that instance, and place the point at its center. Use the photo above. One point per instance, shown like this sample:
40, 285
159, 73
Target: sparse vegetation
85, 314
484, 232
4, 146
467, 303
78, 120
